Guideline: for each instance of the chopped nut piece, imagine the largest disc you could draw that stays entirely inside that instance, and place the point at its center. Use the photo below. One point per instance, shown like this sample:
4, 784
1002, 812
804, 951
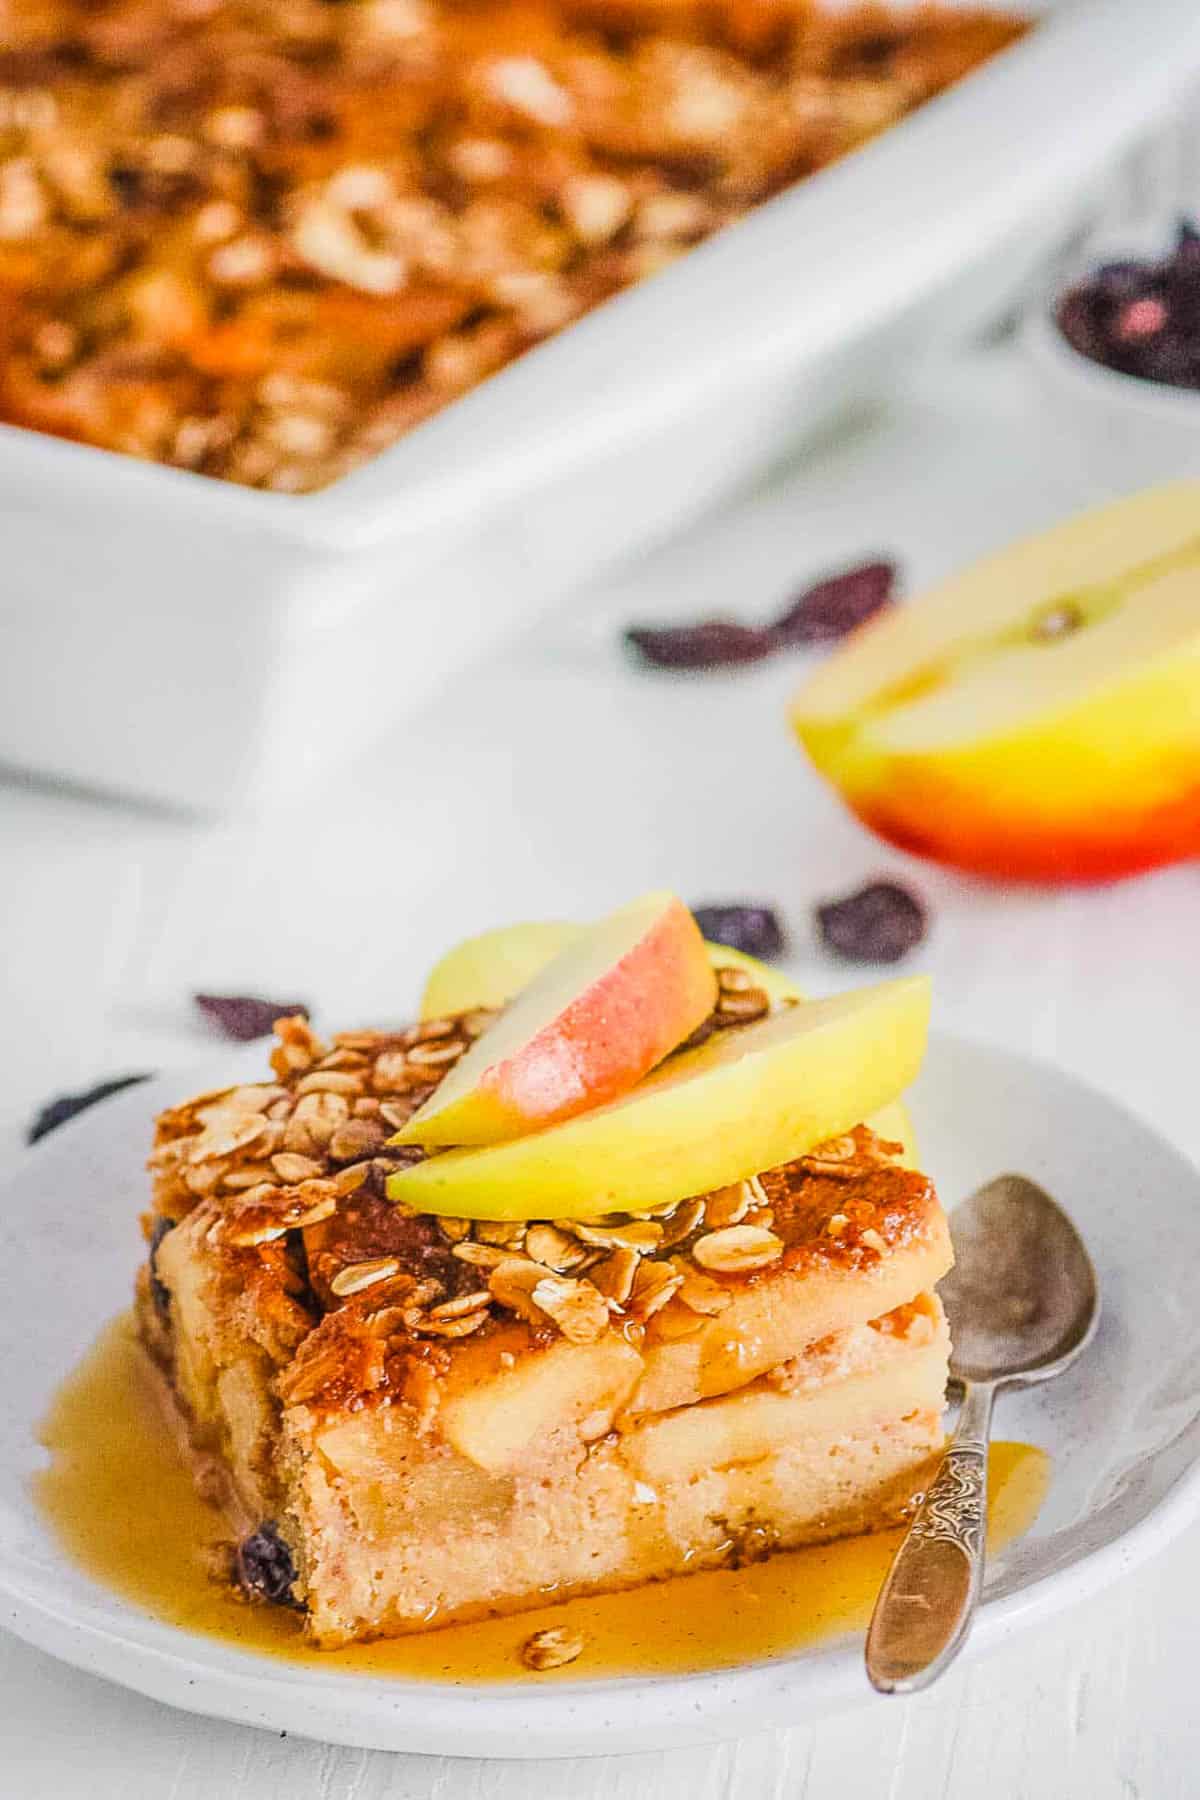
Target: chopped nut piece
460, 1326
326, 237
256, 1231
640, 1234
752, 1003
727, 1205
429, 1031
738, 1249
527, 86
613, 1276
596, 206
437, 1055
249, 1175
552, 1649
511, 1284
653, 1285
481, 1256
506, 1234
465, 1304
546, 1244
684, 1220
242, 262
575, 1306
329, 1081
356, 1138
234, 127
357, 1276
698, 1291
313, 1122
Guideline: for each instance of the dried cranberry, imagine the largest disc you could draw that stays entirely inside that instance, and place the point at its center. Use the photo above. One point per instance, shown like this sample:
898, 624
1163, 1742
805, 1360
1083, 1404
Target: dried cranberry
742, 925
879, 924
244, 1017
265, 1566
838, 605
159, 1294
822, 614
57, 1112
712, 644
1141, 318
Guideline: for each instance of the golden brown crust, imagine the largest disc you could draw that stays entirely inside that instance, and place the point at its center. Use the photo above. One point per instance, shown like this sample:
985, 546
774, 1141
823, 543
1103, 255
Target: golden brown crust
359, 1301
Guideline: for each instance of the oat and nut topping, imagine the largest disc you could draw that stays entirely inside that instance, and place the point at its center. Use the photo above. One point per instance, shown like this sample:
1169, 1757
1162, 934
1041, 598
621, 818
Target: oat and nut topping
263, 239
552, 1649
295, 1169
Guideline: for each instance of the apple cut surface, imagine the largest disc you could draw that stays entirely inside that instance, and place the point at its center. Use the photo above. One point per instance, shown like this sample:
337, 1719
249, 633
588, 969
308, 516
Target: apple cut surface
602, 1013
1038, 715
745, 1101
491, 969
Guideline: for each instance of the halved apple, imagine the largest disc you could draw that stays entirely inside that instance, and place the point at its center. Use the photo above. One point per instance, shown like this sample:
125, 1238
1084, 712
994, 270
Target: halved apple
744, 1101
488, 970
600, 1015
1037, 716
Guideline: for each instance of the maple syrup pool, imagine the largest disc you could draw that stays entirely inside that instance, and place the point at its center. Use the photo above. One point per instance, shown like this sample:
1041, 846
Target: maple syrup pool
121, 1500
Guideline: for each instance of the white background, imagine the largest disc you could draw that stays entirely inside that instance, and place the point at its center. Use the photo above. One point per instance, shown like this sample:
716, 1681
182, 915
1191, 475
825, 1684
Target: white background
556, 781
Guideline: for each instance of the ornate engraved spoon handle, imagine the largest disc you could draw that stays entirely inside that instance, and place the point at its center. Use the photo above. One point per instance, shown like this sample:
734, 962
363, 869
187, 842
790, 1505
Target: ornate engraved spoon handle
926, 1605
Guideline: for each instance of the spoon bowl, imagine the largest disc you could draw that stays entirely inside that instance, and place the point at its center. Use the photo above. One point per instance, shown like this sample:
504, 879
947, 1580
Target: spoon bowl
1022, 1298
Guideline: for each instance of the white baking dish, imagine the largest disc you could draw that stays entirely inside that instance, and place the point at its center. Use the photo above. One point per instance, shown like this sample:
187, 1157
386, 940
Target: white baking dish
177, 638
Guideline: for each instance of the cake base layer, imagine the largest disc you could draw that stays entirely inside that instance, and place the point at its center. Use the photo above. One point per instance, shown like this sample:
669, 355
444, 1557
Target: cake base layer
601, 1530
391, 1528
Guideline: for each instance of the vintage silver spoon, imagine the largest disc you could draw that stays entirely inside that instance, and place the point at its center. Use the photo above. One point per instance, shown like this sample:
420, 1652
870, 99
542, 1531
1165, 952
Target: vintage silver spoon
1023, 1301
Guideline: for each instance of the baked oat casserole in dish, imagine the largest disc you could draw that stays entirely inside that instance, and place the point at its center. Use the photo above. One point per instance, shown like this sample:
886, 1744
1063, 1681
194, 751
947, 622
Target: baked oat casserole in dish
262, 239
176, 638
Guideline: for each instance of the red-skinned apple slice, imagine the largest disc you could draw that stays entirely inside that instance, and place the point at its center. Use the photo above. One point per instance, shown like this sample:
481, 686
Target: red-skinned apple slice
493, 967
745, 1101
598, 1018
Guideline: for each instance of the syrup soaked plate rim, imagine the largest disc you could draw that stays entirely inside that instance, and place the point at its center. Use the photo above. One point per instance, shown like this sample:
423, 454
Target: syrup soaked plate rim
978, 1110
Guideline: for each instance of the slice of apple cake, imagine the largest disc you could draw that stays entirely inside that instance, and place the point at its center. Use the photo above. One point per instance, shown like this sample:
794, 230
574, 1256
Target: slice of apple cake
413, 1419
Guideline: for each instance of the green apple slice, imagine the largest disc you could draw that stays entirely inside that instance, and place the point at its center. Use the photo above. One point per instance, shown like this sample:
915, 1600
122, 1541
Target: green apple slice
492, 968
745, 1101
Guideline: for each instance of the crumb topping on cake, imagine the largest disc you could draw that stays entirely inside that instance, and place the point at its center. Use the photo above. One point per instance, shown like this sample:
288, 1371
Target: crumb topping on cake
291, 1176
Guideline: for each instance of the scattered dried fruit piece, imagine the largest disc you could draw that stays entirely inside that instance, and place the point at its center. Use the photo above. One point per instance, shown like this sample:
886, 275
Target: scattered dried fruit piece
832, 608
57, 1112
265, 1567
552, 1649
880, 923
745, 925
712, 644
245, 1016
824, 612
1141, 318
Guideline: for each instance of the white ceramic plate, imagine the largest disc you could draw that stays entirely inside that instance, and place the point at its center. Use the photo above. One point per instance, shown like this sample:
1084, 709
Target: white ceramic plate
1123, 1430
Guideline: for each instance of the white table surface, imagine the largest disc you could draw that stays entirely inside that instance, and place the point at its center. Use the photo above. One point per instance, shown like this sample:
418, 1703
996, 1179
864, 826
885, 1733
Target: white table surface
555, 781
